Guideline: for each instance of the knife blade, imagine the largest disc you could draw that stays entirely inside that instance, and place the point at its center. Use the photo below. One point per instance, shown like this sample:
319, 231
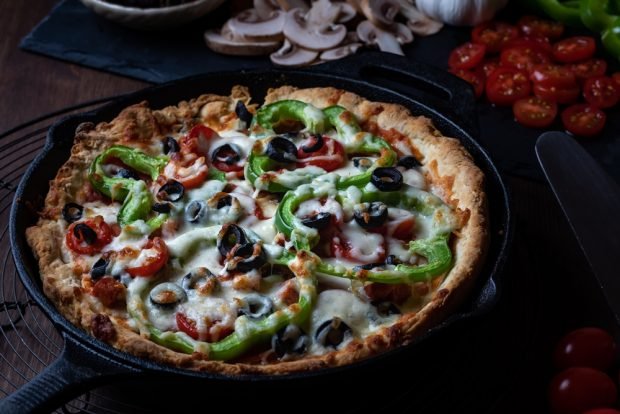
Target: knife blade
590, 200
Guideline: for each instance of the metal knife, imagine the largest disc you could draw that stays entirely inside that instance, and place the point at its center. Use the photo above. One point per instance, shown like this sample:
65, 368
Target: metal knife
590, 200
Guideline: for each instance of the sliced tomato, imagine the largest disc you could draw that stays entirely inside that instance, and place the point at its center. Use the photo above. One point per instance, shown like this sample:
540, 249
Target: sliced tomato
539, 43
553, 75
574, 49
466, 56
523, 57
507, 85
489, 65
535, 112
588, 68
154, 261
187, 325
474, 78
404, 229
341, 247
197, 140
616, 78
535, 26
191, 171
601, 91
109, 291
80, 240
494, 35
330, 156
559, 95
583, 120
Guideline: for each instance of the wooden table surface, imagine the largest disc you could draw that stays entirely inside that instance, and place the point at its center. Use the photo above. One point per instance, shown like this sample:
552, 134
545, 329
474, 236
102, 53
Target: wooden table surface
546, 271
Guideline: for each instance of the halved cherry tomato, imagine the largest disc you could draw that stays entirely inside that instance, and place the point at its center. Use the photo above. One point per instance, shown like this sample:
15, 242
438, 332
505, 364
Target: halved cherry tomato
536, 27
474, 78
523, 57
330, 156
494, 35
557, 94
535, 112
197, 140
616, 78
489, 65
601, 91
578, 389
602, 411
589, 68
153, 261
541, 44
220, 163
584, 120
553, 75
109, 291
466, 56
585, 347
507, 85
574, 49
82, 243
191, 170
187, 325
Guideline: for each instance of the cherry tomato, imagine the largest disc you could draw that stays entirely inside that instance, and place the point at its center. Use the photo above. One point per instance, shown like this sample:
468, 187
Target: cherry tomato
220, 162
197, 140
187, 325
553, 75
494, 35
616, 78
507, 85
602, 411
474, 78
523, 57
153, 261
536, 27
330, 156
541, 44
589, 68
601, 91
466, 56
583, 120
489, 65
585, 347
578, 389
109, 291
555, 94
80, 240
574, 49
535, 112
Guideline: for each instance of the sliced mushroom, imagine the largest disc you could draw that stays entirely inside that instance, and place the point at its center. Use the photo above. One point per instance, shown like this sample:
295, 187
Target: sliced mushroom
323, 12
380, 12
340, 52
264, 8
248, 25
387, 41
293, 55
347, 12
222, 44
418, 22
292, 4
303, 33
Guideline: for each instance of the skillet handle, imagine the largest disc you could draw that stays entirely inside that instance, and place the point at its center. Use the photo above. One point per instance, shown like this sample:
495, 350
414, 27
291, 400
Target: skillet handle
429, 85
76, 371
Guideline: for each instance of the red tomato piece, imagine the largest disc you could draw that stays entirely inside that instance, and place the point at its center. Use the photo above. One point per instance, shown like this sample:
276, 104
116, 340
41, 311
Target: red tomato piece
80, 240
574, 49
466, 56
616, 78
330, 156
589, 68
507, 85
341, 247
109, 291
404, 229
602, 411
489, 65
556, 94
535, 112
154, 261
583, 120
191, 170
474, 78
537, 27
197, 140
494, 35
585, 347
553, 75
184, 324
578, 389
541, 44
523, 57
601, 91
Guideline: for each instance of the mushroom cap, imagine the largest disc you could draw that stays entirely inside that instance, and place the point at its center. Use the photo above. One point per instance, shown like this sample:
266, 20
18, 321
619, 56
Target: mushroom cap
380, 12
249, 25
292, 55
311, 36
340, 52
227, 46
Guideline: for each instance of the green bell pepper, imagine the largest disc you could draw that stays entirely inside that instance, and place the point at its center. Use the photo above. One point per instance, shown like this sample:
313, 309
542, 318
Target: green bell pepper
271, 115
567, 12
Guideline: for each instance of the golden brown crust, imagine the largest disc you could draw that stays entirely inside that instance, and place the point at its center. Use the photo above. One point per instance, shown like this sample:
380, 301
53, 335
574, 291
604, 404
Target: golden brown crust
449, 169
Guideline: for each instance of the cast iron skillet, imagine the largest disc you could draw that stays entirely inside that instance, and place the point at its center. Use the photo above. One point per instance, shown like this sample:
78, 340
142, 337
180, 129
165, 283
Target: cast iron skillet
86, 362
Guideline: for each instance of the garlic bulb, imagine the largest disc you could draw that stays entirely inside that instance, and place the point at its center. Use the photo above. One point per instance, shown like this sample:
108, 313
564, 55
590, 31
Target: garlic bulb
461, 12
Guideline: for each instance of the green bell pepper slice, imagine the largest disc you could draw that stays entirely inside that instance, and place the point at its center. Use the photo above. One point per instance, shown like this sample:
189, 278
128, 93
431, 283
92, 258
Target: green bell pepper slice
271, 115
567, 12
596, 15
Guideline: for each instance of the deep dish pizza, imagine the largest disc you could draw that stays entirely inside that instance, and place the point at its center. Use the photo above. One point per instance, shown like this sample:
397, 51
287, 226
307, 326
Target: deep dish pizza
313, 231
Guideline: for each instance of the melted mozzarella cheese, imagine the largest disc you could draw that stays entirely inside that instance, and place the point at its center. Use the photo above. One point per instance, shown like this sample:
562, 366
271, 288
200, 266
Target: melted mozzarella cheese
365, 247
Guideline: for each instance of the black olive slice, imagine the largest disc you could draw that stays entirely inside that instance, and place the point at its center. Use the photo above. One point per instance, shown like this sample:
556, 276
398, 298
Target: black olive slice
171, 191
230, 235
72, 212
290, 340
247, 257
84, 233
370, 215
256, 306
386, 308
242, 112
167, 295
314, 143
409, 162
387, 179
228, 154
224, 201
392, 260
362, 163
163, 208
332, 332
171, 145
282, 150
195, 211
125, 173
99, 268
367, 266
190, 280
318, 221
